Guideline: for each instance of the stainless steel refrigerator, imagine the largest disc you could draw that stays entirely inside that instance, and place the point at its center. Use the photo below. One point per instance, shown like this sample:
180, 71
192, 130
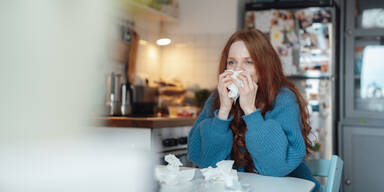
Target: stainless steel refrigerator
303, 34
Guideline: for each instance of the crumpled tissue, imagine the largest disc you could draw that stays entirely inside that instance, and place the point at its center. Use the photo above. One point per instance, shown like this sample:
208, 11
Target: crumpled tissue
233, 89
222, 173
171, 174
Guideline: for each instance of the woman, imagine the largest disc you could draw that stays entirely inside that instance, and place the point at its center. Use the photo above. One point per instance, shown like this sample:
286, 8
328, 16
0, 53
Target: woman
266, 129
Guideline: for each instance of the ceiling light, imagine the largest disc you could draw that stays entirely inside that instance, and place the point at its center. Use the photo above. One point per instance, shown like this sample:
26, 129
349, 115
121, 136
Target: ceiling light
163, 39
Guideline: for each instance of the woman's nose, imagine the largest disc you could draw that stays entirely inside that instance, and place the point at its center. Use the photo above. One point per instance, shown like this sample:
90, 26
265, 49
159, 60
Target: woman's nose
238, 67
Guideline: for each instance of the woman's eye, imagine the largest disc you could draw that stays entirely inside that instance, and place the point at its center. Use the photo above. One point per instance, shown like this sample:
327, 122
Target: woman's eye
249, 62
230, 62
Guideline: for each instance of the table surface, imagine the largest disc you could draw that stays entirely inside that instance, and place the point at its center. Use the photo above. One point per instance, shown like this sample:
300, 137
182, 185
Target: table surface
254, 182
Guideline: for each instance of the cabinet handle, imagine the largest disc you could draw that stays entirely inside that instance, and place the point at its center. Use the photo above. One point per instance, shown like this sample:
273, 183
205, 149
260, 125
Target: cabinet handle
348, 182
348, 32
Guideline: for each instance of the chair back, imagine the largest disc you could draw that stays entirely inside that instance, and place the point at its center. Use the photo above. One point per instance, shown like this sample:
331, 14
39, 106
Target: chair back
332, 169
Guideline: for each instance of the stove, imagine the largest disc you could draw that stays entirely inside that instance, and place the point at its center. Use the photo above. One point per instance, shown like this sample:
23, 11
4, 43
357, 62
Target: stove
171, 140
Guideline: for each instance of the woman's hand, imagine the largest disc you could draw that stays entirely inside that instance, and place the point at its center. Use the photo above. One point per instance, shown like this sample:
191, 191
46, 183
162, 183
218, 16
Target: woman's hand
247, 93
225, 102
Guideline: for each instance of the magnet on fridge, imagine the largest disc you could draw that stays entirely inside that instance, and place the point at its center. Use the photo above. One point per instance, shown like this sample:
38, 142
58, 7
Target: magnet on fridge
321, 132
318, 147
324, 105
315, 108
313, 96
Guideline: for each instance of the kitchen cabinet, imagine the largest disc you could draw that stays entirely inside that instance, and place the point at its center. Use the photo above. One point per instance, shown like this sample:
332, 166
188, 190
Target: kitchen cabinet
160, 135
165, 13
363, 155
361, 123
118, 138
364, 59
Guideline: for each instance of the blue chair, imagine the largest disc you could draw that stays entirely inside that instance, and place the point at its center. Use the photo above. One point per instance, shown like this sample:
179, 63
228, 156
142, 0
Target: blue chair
332, 169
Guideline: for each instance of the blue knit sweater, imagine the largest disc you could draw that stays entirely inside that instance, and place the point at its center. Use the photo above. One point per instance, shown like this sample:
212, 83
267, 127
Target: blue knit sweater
274, 141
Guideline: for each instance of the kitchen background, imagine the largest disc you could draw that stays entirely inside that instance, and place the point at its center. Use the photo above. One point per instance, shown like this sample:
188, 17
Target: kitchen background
346, 121
192, 56
56, 59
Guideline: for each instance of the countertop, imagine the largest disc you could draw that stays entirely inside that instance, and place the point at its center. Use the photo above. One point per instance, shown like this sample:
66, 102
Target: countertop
147, 122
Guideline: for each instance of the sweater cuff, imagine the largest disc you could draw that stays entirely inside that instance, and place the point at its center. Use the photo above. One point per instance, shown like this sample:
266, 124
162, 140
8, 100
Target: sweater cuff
220, 122
254, 116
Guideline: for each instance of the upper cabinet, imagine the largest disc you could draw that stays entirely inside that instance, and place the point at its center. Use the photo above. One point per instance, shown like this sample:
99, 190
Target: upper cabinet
364, 57
153, 10
366, 15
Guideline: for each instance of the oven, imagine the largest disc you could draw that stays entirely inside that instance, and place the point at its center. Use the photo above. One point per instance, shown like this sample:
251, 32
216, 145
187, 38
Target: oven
171, 140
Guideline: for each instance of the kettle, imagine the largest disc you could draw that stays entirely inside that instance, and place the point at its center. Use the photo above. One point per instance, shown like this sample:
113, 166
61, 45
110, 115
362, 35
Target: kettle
126, 99
141, 99
113, 100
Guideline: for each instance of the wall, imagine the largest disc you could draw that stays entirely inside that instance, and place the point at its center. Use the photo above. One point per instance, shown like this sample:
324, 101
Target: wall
202, 16
148, 58
149, 54
197, 40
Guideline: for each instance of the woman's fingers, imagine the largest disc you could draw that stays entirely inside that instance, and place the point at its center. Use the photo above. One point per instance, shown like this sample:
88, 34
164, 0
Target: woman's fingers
250, 81
254, 85
223, 78
238, 85
224, 82
244, 80
223, 86
226, 85
226, 79
225, 74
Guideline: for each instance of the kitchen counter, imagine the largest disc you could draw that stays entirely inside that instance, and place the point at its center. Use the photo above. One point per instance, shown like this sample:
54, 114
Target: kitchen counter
147, 122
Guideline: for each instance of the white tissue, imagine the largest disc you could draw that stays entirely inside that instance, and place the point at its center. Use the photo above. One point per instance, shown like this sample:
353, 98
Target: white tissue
171, 174
173, 162
222, 173
233, 89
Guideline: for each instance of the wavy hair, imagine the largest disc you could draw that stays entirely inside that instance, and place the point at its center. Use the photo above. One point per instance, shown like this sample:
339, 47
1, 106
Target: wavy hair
270, 80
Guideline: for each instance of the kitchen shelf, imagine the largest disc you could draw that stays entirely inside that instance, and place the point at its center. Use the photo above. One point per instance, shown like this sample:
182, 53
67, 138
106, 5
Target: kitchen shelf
368, 32
146, 122
144, 11
310, 75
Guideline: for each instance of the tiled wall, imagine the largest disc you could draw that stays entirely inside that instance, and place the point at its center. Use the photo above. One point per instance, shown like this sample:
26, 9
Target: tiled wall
148, 60
148, 63
191, 59
194, 58
197, 40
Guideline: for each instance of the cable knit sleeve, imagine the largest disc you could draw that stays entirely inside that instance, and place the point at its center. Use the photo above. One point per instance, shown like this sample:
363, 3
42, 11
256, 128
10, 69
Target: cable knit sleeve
276, 143
210, 139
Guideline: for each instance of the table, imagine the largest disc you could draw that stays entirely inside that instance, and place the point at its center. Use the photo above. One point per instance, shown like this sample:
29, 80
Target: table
256, 183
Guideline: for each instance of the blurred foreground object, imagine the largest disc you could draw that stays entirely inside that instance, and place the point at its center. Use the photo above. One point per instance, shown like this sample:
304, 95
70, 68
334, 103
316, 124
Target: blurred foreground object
50, 72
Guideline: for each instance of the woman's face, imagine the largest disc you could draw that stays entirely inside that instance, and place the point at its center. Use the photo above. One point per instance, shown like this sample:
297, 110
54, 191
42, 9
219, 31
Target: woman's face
239, 59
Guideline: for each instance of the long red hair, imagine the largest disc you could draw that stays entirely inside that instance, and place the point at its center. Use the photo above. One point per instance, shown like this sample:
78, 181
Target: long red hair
270, 80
